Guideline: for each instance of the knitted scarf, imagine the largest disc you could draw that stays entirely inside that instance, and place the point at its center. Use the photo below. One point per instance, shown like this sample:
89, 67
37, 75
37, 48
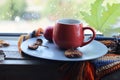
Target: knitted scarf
85, 70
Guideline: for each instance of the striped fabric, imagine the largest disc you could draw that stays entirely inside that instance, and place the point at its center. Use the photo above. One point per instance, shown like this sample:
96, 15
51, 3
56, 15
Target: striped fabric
106, 65
87, 70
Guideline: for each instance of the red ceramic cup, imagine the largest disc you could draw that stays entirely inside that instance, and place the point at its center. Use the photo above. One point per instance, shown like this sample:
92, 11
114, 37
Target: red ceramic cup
69, 33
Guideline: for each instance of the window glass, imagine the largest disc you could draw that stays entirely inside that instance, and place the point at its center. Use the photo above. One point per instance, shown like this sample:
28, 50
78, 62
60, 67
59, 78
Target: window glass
23, 16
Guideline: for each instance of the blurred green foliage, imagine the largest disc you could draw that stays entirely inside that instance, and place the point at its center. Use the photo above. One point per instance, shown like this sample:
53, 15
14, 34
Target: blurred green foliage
102, 17
12, 8
56, 9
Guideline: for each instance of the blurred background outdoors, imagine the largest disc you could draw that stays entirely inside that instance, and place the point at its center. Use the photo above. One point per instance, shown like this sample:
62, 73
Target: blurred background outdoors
24, 16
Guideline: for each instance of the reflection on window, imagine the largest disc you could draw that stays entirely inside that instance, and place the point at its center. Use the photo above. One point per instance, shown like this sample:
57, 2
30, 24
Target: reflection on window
24, 16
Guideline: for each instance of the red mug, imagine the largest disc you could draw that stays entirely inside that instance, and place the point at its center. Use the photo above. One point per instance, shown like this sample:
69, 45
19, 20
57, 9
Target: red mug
69, 33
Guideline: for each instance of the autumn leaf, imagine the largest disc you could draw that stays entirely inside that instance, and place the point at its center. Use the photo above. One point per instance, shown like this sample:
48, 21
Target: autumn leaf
102, 17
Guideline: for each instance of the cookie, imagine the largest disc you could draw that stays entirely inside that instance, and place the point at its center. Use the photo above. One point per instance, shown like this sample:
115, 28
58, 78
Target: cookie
73, 53
36, 44
39, 42
4, 44
33, 47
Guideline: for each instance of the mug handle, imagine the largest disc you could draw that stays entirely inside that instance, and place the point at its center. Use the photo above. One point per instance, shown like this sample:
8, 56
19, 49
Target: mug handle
92, 37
